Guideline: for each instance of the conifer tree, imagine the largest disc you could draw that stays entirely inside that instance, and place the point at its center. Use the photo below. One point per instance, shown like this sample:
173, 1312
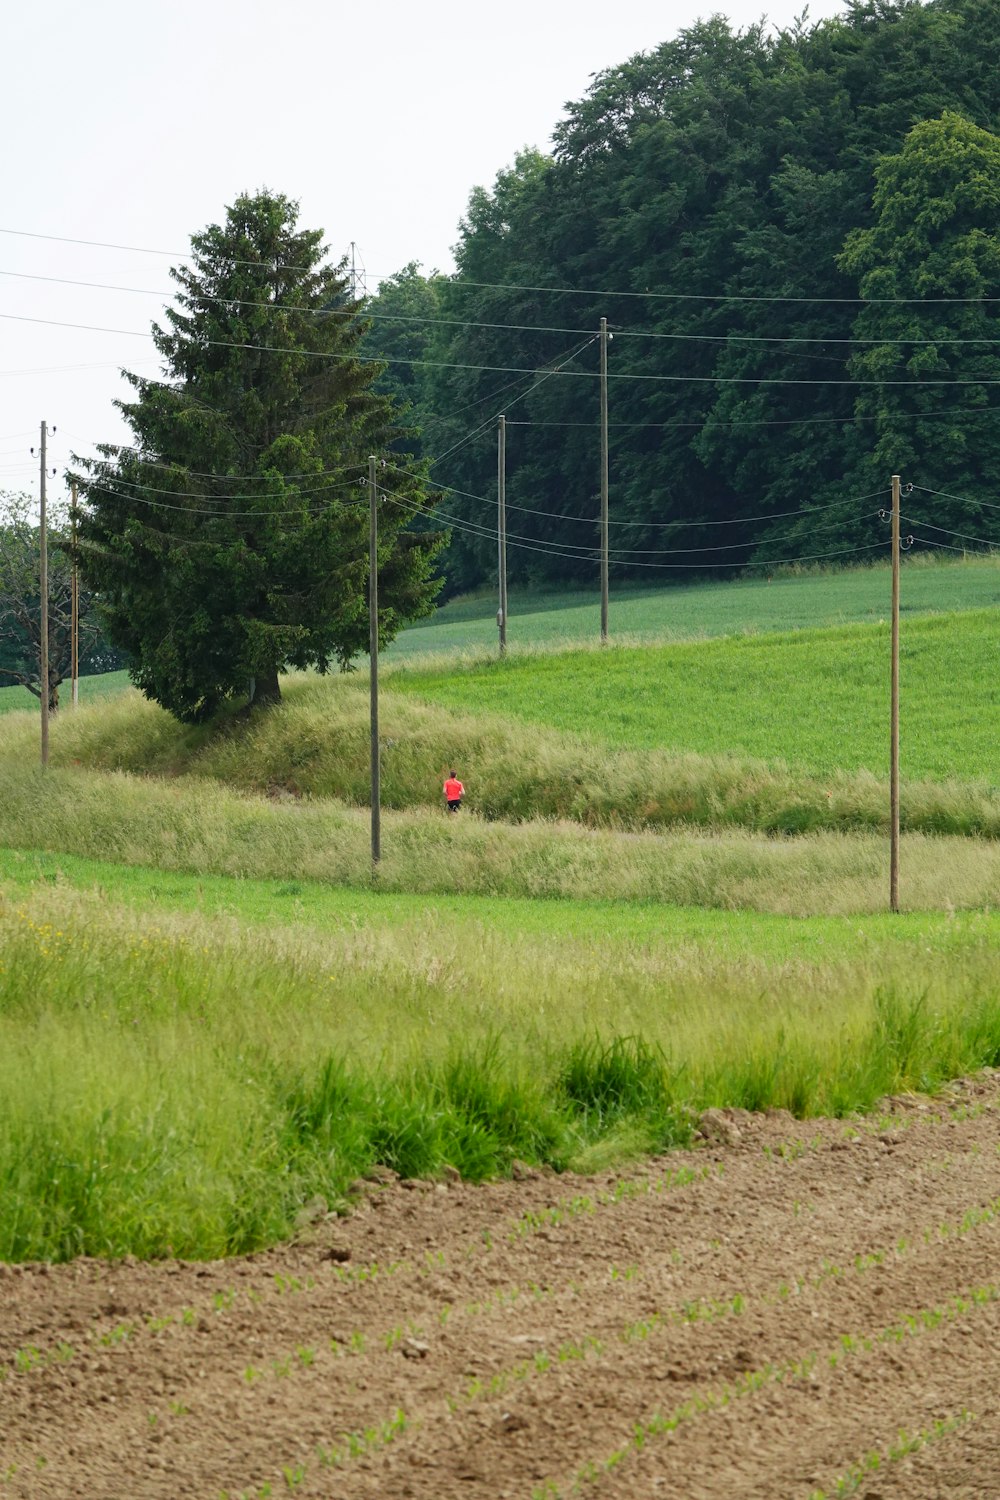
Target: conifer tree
230, 541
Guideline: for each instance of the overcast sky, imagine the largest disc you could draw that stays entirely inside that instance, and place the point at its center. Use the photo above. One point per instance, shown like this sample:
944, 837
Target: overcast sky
136, 122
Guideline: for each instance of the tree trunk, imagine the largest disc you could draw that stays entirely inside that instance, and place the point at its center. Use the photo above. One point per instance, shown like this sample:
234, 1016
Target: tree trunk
265, 689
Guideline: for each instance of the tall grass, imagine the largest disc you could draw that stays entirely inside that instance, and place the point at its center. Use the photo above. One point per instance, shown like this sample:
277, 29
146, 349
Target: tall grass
202, 827
185, 1086
316, 744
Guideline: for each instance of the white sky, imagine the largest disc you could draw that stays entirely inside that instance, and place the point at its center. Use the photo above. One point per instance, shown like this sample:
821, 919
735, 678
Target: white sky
137, 121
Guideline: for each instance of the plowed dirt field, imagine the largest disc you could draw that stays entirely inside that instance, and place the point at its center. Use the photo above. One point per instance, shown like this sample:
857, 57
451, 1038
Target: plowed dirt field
785, 1309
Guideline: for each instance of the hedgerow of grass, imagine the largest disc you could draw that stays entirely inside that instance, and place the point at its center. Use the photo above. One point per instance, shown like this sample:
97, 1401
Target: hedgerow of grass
316, 744
185, 824
186, 1088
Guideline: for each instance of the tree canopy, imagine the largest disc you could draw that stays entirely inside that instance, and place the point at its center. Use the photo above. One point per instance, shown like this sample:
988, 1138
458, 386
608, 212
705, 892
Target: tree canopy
230, 541
729, 200
20, 603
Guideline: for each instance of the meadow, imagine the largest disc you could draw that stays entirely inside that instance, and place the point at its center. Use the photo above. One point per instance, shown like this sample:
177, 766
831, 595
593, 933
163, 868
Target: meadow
790, 599
185, 1063
816, 700
518, 769
213, 1010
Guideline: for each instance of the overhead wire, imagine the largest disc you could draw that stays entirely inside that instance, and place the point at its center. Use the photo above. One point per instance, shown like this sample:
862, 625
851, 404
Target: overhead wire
559, 516
461, 281
363, 312
620, 562
217, 514
946, 531
591, 550
850, 417
963, 500
438, 364
155, 463
927, 541
224, 500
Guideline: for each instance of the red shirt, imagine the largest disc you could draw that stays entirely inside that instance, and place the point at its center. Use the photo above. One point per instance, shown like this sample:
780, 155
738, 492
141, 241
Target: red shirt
453, 789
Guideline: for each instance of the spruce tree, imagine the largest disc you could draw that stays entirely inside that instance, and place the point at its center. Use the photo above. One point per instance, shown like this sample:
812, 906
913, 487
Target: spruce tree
230, 541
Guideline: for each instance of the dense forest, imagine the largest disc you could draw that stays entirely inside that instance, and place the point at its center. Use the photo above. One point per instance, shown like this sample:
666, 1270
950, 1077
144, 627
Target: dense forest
795, 238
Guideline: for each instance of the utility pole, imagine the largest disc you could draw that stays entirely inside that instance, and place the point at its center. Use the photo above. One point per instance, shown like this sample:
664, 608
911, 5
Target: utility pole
502, 530
44, 603
376, 790
359, 289
74, 609
604, 481
894, 711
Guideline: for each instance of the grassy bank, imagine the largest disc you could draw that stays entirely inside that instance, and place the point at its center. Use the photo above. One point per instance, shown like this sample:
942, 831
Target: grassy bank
815, 700
316, 744
207, 828
174, 1083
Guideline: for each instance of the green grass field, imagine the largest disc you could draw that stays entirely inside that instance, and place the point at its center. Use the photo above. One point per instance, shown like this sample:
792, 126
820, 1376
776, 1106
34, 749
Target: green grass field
747, 732
554, 618
792, 600
816, 699
184, 1062
103, 685
668, 891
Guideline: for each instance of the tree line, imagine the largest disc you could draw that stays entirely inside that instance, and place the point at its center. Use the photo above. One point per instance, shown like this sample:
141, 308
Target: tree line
794, 235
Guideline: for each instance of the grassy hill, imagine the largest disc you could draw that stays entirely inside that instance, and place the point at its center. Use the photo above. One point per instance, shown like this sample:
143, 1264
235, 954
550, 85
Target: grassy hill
826, 705
212, 1009
554, 619
791, 600
816, 699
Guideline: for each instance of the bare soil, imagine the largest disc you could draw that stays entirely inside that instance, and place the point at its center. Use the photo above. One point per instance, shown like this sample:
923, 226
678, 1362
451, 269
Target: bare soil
787, 1308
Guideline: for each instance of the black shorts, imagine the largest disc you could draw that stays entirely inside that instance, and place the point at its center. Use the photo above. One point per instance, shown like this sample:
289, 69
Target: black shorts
454, 804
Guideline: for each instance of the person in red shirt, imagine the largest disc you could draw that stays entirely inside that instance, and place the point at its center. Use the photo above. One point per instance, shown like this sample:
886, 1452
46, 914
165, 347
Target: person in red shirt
454, 791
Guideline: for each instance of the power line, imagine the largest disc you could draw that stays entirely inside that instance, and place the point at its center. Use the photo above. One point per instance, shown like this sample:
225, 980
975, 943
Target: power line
556, 369
154, 463
944, 495
368, 314
513, 286
260, 515
150, 489
926, 541
440, 364
625, 552
111, 364
484, 533
461, 282
559, 516
851, 417
945, 531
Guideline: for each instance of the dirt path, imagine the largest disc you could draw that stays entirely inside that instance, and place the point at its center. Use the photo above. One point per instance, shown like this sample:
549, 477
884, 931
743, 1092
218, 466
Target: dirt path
800, 1307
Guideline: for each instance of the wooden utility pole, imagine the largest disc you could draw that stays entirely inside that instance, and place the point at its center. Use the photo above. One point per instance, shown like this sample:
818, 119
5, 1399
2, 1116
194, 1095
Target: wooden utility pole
376, 793
604, 481
502, 530
894, 711
74, 609
43, 653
